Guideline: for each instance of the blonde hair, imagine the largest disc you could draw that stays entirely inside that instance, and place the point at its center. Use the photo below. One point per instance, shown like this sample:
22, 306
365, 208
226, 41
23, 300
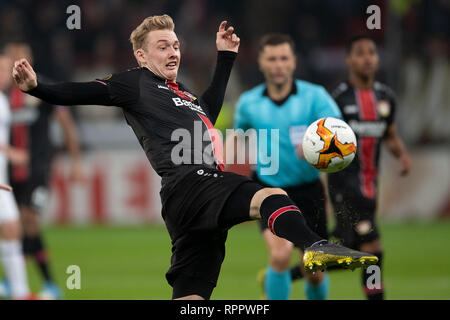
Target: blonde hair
139, 35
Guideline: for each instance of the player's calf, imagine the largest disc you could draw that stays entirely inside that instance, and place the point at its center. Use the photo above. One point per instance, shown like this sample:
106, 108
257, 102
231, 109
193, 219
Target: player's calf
282, 216
277, 281
280, 251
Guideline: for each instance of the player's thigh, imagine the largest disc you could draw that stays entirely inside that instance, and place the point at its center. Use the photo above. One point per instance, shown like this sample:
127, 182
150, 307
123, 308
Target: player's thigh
196, 262
237, 208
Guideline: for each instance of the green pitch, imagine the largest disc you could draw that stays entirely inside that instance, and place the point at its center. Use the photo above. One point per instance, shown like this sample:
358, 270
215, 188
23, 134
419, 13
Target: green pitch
130, 263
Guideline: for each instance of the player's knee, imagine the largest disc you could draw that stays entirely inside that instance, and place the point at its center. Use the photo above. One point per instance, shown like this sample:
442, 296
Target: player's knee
259, 197
30, 222
280, 258
11, 230
372, 247
315, 278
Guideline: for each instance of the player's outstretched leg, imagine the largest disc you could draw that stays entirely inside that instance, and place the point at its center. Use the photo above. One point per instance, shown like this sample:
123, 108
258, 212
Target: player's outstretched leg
285, 220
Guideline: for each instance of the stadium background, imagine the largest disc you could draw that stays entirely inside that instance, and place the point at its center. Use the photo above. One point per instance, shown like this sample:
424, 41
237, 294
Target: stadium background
110, 225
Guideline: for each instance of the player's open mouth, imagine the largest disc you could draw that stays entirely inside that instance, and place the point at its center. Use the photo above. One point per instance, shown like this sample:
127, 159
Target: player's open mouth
171, 65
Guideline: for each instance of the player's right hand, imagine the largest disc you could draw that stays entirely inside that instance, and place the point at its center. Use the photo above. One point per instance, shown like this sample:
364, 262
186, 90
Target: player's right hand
24, 75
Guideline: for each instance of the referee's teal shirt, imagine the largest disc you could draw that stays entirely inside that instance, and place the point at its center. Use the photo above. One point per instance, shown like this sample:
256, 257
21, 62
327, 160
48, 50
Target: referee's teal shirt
306, 103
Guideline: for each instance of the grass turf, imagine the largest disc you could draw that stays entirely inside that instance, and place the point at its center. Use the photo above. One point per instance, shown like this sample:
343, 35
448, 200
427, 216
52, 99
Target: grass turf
130, 263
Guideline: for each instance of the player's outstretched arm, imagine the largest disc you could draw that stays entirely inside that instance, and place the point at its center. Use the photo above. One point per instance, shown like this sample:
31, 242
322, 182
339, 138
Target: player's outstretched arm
67, 93
227, 43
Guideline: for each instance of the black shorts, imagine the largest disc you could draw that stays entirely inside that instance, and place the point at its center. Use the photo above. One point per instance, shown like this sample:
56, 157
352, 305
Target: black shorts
32, 193
198, 211
310, 199
355, 213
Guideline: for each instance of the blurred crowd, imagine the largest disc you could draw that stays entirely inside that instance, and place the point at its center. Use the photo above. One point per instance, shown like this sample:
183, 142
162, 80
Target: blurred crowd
413, 43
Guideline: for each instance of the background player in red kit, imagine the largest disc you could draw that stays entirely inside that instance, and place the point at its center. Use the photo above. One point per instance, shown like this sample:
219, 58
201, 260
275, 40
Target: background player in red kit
368, 107
30, 132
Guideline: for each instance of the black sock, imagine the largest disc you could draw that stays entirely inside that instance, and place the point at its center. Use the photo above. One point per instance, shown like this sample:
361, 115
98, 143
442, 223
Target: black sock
285, 220
34, 246
373, 293
296, 273
27, 245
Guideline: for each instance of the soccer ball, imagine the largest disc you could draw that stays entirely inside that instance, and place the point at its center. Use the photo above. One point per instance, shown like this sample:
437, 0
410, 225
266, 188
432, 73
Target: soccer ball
329, 145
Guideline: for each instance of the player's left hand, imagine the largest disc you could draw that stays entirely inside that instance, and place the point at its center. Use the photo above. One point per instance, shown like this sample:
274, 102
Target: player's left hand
406, 163
227, 40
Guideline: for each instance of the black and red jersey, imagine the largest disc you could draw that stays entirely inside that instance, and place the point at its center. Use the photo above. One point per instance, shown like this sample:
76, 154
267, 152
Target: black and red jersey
173, 126
30, 131
369, 113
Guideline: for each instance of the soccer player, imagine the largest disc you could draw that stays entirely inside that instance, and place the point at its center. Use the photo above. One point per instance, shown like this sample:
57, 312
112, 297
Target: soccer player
368, 107
10, 229
30, 131
200, 201
289, 105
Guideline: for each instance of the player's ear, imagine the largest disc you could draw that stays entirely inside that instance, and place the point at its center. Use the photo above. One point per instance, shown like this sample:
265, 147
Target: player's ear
260, 62
139, 54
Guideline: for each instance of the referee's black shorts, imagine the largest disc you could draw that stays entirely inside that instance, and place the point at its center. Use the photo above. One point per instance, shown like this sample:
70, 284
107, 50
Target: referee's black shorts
310, 199
198, 211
